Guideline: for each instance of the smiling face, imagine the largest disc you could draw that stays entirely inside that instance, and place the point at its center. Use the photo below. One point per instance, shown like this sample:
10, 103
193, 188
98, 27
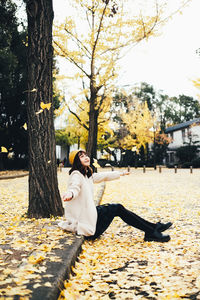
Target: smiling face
84, 159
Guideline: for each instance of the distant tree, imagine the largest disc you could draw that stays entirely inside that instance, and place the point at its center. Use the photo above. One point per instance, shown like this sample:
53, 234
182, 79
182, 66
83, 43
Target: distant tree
95, 51
12, 82
181, 109
171, 110
146, 93
137, 125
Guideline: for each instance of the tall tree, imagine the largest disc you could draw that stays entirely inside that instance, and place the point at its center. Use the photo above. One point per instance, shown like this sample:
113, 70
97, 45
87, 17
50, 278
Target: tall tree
44, 197
93, 42
78, 123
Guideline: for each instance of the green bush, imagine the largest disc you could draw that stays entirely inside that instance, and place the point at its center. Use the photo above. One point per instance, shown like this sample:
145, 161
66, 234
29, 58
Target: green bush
196, 163
187, 153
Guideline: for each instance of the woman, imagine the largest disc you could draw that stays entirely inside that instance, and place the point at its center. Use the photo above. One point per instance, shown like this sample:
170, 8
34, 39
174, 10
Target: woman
84, 218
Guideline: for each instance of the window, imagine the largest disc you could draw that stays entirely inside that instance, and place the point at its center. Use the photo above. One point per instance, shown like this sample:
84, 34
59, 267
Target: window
183, 135
171, 135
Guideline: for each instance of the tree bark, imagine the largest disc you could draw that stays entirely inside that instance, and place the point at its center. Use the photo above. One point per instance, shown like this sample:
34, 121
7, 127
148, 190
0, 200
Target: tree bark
44, 197
93, 132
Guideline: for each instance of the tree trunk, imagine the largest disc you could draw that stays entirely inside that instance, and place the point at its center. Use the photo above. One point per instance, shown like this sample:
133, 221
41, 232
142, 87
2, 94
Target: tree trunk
92, 135
44, 197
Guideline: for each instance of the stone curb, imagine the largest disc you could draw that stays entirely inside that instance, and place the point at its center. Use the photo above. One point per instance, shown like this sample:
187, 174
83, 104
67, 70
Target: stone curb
60, 270
13, 176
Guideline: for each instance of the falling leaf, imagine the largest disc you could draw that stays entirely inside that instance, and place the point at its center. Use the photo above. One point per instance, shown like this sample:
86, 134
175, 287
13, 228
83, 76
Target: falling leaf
25, 126
95, 164
39, 112
30, 91
49, 161
4, 150
45, 105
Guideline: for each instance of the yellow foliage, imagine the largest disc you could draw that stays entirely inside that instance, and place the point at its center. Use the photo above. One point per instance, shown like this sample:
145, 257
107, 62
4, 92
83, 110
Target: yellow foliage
3, 149
139, 123
45, 105
197, 83
35, 259
25, 126
76, 127
93, 44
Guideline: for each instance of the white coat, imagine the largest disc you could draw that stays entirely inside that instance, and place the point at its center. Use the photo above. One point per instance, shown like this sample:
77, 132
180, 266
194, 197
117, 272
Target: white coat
80, 212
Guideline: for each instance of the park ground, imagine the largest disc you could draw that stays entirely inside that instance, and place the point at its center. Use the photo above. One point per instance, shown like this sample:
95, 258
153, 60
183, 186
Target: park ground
119, 265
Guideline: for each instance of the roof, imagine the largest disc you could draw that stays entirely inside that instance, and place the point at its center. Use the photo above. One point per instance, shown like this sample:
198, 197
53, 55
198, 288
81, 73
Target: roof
181, 125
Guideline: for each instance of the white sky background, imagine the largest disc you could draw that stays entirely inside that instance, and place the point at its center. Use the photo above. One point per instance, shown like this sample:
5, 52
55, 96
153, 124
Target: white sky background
168, 62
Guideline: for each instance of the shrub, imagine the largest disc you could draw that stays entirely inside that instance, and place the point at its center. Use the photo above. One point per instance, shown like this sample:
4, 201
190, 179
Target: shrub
196, 163
187, 153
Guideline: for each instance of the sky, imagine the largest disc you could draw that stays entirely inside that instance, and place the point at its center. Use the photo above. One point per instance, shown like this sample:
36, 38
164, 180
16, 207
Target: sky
168, 62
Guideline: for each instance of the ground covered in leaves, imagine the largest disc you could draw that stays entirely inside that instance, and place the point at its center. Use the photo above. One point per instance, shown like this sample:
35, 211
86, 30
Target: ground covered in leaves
120, 265
25, 244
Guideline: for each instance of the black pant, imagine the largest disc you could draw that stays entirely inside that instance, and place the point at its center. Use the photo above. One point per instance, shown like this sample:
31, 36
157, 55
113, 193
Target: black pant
107, 212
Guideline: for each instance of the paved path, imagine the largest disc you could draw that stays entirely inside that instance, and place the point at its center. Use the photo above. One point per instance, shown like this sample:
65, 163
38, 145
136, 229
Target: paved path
120, 265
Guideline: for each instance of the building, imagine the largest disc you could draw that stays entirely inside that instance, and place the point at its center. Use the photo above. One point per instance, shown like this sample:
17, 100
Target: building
186, 133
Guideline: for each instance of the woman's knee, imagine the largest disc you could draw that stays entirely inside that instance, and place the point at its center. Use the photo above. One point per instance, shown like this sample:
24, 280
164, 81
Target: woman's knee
119, 207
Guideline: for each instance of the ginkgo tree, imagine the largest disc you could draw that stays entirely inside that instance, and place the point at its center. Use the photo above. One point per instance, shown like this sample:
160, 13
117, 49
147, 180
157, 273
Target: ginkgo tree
44, 197
77, 124
137, 127
139, 122
94, 40
197, 85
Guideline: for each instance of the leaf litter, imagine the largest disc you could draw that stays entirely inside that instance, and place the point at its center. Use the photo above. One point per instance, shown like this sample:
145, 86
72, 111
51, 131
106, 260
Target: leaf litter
120, 265
26, 245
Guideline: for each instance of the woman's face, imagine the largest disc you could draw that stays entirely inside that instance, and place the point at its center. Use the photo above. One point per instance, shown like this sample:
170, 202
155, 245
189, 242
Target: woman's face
84, 159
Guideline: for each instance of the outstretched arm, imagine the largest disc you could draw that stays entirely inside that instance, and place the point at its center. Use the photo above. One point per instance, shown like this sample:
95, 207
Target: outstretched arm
108, 176
74, 187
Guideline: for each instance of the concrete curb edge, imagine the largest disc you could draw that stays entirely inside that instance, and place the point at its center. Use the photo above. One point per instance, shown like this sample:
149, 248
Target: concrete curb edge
63, 269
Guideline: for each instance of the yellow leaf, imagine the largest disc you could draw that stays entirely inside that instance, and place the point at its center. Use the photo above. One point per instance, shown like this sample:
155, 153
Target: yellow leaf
3, 149
35, 260
39, 112
95, 164
45, 105
25, 126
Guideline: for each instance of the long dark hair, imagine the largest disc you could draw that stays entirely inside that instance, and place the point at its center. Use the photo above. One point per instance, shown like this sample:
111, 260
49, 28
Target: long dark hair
77, 165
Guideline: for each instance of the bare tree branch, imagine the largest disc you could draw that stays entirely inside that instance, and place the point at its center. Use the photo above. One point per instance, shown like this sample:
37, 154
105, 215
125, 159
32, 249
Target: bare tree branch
80, 122
71, 59
79, 43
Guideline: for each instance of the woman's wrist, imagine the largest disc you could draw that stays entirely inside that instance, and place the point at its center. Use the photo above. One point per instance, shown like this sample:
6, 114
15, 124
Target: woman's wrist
123, 173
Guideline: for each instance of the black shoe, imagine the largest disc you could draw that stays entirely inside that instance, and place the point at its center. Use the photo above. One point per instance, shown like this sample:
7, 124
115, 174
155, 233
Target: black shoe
156, 236
163, 226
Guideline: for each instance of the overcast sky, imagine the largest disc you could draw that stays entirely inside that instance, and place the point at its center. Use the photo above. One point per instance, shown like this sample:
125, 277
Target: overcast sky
168, 62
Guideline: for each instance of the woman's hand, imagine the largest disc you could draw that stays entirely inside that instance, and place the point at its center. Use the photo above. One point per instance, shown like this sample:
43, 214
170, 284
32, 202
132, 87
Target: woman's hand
67, 196
123, 173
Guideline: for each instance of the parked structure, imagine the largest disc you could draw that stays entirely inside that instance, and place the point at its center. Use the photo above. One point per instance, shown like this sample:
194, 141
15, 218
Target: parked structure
187, 133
